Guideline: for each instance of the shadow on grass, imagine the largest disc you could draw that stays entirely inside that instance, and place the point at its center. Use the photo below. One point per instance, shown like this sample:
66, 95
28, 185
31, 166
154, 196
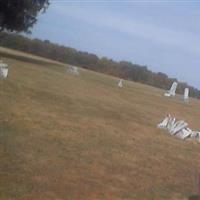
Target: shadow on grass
194, 197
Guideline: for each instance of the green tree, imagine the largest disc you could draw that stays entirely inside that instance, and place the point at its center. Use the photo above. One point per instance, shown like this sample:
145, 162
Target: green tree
20, 15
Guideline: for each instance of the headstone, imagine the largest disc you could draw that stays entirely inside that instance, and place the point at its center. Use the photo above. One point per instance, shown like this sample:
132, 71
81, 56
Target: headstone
186, 95
171, 124
73, 70
178, 126
172, 91
164, 123
184, 133
3, 70
195, 135
120, 83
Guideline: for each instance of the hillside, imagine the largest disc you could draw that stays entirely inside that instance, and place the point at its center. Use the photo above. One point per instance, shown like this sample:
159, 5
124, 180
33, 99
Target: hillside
123, 69
66, 137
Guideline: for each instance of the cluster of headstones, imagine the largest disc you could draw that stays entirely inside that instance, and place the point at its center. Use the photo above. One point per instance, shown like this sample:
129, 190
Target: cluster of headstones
169, 93
75, 71
172, 92
178, 128
3, 69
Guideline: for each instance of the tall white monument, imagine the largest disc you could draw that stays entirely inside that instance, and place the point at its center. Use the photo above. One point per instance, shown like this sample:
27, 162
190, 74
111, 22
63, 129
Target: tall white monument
120, 83
186, 95
172, 91
3, 69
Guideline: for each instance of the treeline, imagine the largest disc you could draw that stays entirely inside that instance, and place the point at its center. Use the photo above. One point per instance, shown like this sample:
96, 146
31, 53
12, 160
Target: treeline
122, 69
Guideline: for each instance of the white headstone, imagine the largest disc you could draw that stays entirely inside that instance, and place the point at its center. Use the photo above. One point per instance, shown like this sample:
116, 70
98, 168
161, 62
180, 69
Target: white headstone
171, 124
172, 91
179, 125
195, 135
120, 83
3, 70
184, 133
186, 94
73, 70
164, 123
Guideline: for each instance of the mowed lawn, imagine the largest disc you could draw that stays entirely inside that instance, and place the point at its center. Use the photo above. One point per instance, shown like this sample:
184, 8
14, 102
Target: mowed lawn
66, 137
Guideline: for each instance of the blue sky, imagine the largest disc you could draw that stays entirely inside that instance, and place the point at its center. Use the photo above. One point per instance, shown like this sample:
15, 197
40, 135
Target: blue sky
163, 35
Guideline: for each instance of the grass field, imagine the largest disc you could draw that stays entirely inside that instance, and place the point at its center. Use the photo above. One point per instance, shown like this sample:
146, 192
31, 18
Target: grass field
66, 137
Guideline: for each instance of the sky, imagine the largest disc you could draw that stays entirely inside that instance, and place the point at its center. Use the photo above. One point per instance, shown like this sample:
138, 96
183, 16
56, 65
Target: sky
162, 35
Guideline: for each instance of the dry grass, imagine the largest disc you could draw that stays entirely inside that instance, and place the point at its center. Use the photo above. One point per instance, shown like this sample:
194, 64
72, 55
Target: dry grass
26, 57
67, 137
